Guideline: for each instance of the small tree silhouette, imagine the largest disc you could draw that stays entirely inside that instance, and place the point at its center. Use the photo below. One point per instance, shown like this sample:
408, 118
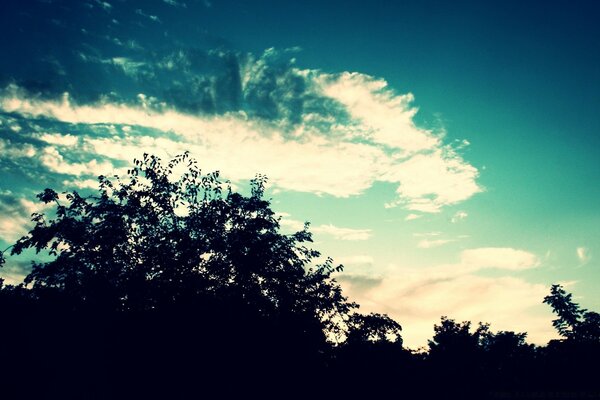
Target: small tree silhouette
573, 322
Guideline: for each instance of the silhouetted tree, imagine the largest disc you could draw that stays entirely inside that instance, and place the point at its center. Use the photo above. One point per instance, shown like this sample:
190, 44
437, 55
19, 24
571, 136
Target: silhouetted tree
453, 339
159, 239
573, 361
373, 328
573, 322
170, 267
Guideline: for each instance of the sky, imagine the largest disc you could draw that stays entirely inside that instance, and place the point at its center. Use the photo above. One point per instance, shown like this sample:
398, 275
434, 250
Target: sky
445, 152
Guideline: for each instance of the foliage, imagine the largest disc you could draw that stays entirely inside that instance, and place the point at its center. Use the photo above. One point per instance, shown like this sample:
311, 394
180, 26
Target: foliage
573, 322
373, 328
159, 239
453, 338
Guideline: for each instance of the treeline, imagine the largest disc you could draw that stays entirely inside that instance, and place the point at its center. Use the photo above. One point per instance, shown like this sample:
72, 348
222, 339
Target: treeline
170, 285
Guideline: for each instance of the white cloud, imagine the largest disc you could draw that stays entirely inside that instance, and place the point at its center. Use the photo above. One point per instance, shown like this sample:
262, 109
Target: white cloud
428, 243
175, 3
336, 232
13, 273
418, 302
583, 254
54, 161
429, 181
58, 139
128, 66
81, 183
411, 217
459, 216
338, 161
15, 215
427, 234
104, 4
388, 118
343, 233
418, 297
290, 225
498, 257
13, 151
149, 16
356, 260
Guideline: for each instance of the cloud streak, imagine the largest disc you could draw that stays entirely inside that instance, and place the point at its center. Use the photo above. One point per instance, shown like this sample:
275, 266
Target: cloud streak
583, 254
338, 233
15, 216
418, 297
318, 133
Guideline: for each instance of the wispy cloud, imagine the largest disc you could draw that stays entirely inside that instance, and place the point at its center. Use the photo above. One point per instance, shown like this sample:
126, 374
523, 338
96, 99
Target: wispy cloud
584, 255
356, 260
104, 4
498, 257
15, 215
336, 232
429, 243
175, 3
329, 145
13, 272
388, 118
343, 233
149, 16
459, 216
418, 297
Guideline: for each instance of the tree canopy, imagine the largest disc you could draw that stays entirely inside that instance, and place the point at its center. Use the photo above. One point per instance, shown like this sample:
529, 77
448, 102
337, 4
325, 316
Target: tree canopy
573, 322
170, 234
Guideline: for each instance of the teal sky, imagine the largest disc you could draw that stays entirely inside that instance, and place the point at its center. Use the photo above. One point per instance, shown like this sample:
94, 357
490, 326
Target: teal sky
445, 152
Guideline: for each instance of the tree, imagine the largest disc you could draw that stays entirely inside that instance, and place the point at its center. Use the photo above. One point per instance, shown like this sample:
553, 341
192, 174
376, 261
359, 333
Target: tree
453, 339
571, 362
573, 322
159, 239
170, 259
373, 328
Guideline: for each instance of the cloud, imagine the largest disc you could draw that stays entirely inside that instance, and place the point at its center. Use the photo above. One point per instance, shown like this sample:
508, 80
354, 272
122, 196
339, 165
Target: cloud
175, 3
430, 181
427, 234
411, 217
418, 302
336, 232
498, 257
58, 139
418, 297
356, 260
343, 233
15, 215
583, 254
459, 216
428, 243
149, 16
358, 284
52, 159
302, 140
104, 4
13, 272
388, 118
130, 68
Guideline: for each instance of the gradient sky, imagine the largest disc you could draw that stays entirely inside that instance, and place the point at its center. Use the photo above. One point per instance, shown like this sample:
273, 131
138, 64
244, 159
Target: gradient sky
445, 152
